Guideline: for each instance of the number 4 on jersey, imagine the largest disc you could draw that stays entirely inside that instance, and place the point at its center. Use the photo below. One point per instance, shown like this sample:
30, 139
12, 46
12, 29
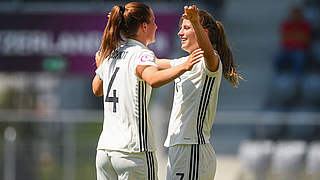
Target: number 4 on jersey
114, 99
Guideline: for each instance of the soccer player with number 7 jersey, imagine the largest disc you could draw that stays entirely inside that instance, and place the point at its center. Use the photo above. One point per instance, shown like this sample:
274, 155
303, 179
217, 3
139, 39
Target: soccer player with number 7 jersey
190, 154
126, 73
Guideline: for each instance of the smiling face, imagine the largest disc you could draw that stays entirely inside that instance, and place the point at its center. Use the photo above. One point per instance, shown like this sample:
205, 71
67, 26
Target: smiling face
188, 38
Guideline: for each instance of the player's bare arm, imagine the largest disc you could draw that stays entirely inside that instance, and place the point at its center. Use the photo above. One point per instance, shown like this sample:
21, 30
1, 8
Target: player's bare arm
211, 57
157, 78
163, 63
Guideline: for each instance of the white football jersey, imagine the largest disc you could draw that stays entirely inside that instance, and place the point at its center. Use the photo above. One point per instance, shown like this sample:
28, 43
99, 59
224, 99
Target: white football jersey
194, 104
126, 125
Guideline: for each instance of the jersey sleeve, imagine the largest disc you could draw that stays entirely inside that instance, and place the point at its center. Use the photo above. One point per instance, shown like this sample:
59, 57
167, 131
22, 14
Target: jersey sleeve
146, 58
210, 73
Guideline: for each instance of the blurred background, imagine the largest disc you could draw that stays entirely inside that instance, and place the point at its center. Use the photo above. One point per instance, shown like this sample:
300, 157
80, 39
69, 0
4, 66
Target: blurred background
50, 121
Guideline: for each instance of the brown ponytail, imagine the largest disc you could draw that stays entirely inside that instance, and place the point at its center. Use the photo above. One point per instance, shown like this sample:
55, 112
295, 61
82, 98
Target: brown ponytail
122, 22
218, 40
111, 36
222, 46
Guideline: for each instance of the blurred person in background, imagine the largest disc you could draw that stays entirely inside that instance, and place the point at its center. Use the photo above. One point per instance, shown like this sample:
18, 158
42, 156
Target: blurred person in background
190, 153
126, 72
295, 42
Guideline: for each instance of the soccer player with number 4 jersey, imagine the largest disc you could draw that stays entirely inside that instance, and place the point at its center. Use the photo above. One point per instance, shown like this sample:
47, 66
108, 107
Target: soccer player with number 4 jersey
126, 73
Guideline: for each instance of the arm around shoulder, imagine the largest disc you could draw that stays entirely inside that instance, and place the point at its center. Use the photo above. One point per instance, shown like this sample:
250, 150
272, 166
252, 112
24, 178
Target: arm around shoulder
163, 63
157, 78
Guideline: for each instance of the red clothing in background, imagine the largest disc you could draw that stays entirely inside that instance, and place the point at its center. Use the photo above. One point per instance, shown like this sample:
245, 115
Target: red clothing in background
296, 34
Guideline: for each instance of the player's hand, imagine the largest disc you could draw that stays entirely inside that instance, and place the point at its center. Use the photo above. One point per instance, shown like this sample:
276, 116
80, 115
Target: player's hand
193, 59
98, 58
191, 13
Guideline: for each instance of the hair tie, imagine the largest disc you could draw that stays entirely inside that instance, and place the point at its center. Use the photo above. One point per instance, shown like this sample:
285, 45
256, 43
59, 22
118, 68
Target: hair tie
216, 25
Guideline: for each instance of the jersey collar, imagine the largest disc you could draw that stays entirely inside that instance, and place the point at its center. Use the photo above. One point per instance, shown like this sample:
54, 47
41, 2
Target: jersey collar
135, 42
